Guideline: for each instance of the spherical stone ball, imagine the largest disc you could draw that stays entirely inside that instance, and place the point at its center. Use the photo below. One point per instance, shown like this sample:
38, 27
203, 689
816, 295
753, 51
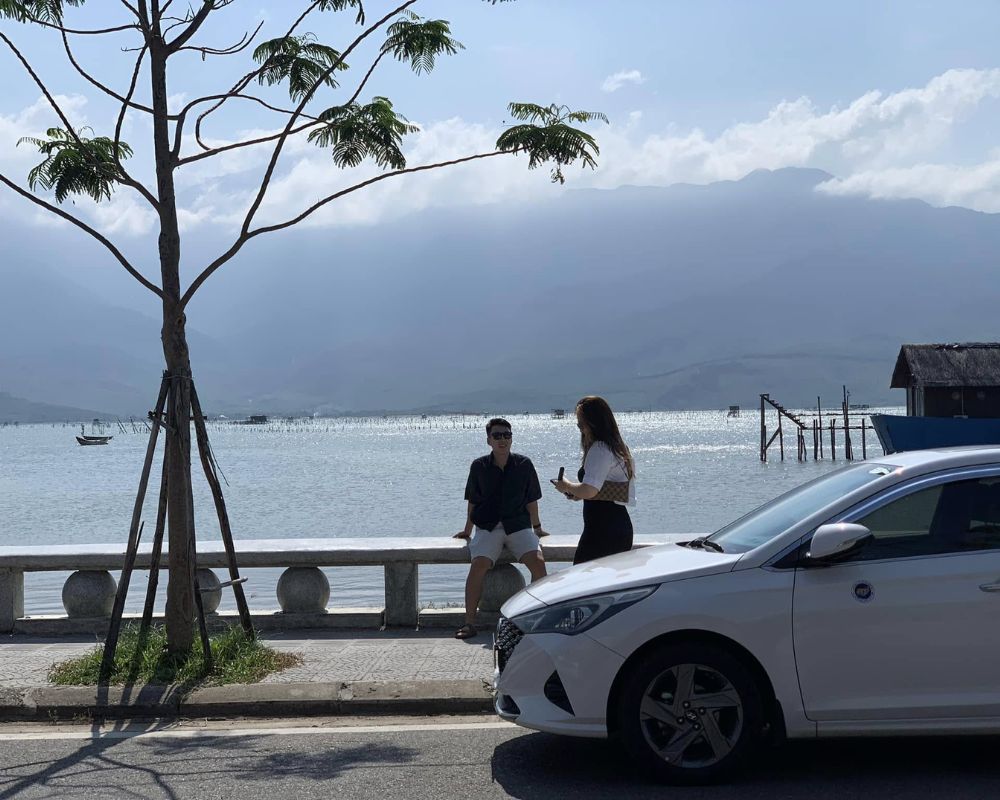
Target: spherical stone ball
89, 593
211, 589
303, 590
502, 583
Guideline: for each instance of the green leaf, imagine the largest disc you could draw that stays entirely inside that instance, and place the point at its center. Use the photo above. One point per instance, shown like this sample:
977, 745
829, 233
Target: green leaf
418, 42
340, 5
50, 11
546, 137
87, 166
298, 59
356, 132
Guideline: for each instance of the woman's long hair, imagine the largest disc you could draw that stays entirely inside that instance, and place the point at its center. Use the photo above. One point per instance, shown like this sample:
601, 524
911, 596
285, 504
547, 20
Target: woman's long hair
601, 421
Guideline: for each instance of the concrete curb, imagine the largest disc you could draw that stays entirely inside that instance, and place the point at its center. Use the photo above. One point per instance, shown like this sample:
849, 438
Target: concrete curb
247, 700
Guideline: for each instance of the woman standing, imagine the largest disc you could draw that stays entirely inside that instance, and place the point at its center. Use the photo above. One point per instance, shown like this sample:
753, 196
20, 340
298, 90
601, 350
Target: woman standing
606, 483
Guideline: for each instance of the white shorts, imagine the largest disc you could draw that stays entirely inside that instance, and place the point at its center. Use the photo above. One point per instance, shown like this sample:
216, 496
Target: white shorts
489, 544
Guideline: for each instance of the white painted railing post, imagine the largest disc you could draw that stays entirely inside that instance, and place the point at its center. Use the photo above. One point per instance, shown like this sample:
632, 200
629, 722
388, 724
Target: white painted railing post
401, 584
11, 598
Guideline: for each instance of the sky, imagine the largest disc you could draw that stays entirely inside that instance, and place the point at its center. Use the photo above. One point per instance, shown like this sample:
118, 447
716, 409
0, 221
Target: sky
895, 99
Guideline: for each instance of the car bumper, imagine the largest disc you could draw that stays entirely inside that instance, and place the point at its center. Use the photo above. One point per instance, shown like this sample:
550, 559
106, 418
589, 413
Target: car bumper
558, 684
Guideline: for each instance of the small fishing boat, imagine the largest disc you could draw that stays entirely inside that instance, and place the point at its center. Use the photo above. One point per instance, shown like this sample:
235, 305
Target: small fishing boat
87, 440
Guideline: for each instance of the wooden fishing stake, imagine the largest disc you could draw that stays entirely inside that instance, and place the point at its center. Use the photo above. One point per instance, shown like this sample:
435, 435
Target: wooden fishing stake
135, 531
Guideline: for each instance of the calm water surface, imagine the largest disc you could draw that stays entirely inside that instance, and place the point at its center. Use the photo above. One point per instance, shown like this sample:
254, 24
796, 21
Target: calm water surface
696, 470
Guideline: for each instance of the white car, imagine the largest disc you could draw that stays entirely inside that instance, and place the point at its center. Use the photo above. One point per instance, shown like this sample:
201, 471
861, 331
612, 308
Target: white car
864, 602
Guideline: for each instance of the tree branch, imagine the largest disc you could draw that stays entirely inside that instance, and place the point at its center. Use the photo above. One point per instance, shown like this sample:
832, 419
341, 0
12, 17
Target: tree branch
263, 140
236, 145
207, 7
246, 236
85, 227
243, 82
211, 151
245, 41
96, 83
302, 104
129, 180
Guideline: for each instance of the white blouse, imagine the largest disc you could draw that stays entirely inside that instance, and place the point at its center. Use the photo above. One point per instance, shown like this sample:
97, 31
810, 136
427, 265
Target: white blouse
601, 464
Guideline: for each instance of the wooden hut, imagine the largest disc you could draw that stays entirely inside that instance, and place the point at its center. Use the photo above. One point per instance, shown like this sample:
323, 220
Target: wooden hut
950, 380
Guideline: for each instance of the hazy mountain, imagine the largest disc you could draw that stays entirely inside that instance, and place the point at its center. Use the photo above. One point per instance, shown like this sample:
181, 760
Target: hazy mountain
679, 297
17, 409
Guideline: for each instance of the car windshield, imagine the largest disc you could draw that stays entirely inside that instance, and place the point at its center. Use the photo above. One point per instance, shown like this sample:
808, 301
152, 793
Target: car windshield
777, 516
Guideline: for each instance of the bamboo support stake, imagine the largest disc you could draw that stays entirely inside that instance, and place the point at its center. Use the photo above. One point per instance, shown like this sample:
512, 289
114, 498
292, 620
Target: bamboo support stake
135, 531
154, 558
201, 434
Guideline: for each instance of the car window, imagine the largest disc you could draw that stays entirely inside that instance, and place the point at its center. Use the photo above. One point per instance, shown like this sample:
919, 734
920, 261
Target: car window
777, 516
950, 518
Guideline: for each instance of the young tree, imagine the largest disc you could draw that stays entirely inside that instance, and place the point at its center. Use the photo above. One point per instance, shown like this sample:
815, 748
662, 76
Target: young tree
81, 162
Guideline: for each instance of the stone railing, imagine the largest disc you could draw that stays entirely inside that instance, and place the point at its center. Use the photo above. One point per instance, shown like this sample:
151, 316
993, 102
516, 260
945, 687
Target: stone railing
303, 590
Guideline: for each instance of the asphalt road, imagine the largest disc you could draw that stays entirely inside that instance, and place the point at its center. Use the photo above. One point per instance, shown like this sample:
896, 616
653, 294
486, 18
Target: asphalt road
444, 758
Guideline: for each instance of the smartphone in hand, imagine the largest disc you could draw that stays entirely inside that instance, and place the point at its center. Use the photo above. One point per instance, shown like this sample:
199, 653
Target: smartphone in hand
554, 481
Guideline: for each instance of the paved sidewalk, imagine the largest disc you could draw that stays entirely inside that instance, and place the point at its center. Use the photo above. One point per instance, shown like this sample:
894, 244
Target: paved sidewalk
392, 670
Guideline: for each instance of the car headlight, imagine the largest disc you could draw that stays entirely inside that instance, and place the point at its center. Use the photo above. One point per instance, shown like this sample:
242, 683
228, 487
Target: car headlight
576, 616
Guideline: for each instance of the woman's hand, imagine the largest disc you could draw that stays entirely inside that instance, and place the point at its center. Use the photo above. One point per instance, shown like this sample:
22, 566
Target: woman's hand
563, 486
463, 534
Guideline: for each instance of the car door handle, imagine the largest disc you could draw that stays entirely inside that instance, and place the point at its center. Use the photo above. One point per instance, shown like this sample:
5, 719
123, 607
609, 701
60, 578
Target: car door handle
989, 587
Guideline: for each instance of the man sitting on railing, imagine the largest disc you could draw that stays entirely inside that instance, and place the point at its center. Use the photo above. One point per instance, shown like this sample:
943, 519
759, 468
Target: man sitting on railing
502, 493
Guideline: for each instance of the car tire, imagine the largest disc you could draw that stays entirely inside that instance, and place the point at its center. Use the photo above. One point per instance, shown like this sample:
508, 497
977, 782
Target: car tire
690, 713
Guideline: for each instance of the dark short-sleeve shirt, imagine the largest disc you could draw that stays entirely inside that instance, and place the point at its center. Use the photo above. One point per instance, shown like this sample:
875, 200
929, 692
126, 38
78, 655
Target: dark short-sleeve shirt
502, 495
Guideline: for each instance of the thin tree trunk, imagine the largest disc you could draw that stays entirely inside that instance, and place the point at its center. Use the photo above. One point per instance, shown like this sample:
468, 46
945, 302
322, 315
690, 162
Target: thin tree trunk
180, 527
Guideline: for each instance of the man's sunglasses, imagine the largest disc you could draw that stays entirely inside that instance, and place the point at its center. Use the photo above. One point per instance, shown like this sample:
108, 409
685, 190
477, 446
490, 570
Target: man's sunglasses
498, 435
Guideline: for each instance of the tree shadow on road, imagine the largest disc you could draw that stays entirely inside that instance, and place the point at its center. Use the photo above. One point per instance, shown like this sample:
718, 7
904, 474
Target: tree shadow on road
175, 767
540, 766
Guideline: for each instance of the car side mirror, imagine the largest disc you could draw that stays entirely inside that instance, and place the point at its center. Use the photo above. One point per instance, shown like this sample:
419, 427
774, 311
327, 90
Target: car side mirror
835, 541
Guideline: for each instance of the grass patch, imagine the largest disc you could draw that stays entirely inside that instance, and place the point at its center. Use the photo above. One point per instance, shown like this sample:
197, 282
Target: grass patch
236, 660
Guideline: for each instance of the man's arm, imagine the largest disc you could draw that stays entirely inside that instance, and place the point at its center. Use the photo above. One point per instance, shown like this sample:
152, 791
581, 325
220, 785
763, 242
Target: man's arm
466, 532
536, 525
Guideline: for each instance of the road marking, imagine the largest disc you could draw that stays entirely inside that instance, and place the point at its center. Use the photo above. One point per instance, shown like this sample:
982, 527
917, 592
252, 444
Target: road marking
209, 733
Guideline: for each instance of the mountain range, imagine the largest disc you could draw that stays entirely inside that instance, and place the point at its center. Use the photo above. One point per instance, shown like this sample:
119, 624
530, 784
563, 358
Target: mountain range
678, 297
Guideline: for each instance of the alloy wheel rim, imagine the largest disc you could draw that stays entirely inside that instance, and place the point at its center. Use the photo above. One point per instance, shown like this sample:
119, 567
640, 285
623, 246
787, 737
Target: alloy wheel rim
691, 716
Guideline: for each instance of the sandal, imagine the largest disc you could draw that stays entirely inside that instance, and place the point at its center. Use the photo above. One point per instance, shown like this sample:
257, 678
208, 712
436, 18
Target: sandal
467, 631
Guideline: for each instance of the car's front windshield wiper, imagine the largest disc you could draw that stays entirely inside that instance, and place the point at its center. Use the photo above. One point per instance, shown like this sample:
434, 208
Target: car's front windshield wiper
704, 543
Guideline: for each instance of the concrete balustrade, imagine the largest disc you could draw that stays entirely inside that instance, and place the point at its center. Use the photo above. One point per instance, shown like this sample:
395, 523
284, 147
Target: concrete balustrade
303, 589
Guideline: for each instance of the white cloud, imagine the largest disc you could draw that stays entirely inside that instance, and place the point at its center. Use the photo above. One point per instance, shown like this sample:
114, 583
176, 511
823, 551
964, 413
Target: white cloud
879, 145
613, 83
874, 131
976, 186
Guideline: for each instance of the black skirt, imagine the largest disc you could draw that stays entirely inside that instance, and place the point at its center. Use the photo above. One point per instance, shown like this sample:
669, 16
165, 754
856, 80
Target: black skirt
607, 529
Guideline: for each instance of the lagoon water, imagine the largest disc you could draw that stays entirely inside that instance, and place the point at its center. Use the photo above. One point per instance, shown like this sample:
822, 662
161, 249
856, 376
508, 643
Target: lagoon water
372, 477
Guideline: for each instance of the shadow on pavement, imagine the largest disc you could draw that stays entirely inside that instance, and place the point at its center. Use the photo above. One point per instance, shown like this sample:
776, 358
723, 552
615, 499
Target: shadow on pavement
540, 766
182, 767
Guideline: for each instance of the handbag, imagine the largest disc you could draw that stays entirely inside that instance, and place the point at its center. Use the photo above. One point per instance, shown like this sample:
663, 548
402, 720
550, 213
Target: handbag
613, 491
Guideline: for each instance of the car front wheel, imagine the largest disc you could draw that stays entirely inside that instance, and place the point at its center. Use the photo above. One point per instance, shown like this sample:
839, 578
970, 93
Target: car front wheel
690, 713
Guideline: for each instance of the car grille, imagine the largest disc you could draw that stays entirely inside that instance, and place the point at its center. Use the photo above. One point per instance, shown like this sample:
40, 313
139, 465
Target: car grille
506, 639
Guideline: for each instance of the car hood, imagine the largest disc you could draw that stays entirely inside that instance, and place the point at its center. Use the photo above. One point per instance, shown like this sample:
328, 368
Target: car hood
646, 565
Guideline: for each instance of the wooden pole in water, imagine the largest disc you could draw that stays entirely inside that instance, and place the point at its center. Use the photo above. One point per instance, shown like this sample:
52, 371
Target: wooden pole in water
781, 438
833, 441
864, 442
763, 431
848, 452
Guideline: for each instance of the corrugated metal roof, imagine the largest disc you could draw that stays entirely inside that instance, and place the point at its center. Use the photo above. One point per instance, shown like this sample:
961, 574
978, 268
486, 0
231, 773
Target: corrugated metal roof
968, 364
